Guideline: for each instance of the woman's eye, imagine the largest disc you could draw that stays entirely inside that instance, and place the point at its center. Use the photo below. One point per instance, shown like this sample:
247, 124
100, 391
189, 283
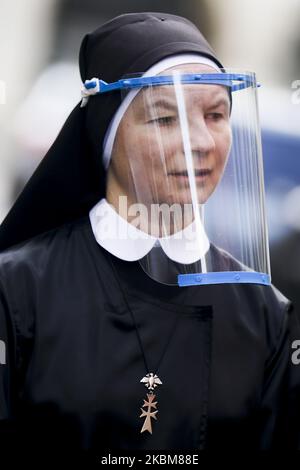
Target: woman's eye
215, 116
164, 120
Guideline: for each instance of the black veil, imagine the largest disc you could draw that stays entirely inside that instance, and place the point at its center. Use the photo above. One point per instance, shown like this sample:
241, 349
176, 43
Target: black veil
71, 177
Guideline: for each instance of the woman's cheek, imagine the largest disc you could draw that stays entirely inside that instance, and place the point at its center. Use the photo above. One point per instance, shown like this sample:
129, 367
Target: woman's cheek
228, 139
224, 142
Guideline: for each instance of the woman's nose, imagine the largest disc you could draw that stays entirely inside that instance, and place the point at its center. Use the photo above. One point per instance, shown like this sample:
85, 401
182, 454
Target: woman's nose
201, 139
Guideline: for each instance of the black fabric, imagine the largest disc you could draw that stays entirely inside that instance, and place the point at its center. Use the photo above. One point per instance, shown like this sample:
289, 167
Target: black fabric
159, 266
71, 178
70, 381
75, 363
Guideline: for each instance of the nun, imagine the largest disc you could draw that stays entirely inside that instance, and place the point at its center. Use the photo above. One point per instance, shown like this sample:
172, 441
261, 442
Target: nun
136, 304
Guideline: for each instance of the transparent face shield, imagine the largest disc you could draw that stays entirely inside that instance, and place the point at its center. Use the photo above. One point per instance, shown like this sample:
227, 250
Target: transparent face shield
186, 156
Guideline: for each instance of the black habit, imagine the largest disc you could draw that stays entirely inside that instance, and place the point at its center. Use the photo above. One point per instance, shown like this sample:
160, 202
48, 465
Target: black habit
71, 361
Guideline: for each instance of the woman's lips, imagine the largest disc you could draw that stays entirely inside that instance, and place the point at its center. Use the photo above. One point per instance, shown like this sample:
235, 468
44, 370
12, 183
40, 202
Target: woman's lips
199, 174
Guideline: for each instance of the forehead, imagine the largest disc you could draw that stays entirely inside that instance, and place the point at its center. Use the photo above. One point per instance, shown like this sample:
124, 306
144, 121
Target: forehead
190, 68
198, 94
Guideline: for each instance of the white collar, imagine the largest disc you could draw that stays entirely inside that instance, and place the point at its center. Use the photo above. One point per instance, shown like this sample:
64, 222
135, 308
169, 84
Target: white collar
128, 243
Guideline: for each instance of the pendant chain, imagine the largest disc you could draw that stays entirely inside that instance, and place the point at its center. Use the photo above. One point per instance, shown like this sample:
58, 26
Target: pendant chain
137, 330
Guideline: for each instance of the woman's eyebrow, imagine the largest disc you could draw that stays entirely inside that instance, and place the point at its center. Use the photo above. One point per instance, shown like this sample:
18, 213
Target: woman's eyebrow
171, 105
163, 103
220, 102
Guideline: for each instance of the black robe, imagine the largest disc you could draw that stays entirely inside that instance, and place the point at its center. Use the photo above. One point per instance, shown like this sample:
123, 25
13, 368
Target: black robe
71, 380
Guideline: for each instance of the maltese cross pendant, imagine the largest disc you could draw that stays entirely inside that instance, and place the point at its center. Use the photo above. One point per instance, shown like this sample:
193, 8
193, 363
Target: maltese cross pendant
148, 414
151, 381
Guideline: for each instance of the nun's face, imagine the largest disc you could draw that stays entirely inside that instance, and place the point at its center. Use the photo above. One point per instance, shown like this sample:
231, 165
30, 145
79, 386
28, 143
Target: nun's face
171, 140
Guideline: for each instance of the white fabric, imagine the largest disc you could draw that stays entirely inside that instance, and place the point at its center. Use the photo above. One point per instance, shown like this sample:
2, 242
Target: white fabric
87, 92
179, 59
128, 243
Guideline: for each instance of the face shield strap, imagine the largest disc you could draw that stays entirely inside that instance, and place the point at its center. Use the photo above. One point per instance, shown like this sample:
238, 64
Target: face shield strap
232, 80
233, 277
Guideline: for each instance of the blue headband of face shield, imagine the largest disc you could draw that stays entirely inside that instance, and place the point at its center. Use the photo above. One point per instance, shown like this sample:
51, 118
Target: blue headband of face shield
233, 81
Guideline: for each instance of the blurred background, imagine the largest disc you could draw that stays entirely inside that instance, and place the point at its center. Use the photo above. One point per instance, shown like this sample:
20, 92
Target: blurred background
40, 84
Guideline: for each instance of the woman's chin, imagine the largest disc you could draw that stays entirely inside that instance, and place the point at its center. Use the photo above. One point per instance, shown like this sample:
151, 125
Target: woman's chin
186, 199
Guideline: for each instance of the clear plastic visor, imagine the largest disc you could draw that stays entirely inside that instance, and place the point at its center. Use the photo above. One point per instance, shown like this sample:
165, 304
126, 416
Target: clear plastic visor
186, 156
